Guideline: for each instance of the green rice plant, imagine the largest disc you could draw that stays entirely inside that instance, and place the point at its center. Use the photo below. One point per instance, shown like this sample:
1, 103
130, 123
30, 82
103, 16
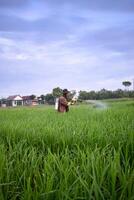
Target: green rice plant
84, 154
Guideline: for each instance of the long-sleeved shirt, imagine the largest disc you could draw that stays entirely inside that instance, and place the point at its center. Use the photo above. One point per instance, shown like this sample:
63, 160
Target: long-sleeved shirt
63, 104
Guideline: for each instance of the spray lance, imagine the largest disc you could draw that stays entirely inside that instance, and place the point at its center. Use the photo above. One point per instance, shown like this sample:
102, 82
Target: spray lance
73, 100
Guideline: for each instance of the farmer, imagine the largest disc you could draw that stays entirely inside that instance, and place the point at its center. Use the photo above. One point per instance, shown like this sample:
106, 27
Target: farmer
63, 105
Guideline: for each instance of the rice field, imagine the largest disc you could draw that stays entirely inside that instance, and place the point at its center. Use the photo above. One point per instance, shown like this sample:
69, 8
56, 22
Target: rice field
87, 153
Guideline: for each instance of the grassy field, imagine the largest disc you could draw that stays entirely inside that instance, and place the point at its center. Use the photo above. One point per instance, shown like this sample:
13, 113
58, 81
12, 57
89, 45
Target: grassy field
87, 153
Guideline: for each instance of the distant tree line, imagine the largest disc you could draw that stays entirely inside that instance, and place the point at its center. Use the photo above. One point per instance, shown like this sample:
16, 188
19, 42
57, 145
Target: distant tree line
105, 94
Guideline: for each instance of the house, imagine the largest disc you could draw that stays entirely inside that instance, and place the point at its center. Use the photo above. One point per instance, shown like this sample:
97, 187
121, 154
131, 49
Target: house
29, 101
14, 101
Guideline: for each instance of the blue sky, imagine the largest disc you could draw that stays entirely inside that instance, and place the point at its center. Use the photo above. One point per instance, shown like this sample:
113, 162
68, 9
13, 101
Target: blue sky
74, 44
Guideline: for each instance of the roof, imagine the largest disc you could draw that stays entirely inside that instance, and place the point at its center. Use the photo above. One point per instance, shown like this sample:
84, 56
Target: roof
29, 98
13, 97
26, 98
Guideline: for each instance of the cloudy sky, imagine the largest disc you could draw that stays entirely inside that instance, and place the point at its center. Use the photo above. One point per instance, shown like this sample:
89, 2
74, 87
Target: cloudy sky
74, 44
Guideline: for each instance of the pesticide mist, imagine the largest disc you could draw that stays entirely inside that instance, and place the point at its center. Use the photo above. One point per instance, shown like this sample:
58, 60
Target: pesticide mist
98, 104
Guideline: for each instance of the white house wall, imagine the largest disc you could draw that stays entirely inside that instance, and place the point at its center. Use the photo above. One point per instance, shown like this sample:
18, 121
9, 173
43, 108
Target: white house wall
14, 103
18, 98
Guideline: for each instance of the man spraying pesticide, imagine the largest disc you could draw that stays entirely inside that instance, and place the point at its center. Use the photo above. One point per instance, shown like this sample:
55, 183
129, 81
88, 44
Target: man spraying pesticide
62, 104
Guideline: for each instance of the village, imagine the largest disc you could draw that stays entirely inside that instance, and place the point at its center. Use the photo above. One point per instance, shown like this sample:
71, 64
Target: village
18, 100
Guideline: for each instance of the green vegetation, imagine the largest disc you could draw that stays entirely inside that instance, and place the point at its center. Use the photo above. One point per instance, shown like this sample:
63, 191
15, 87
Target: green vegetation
84, 154
106, 94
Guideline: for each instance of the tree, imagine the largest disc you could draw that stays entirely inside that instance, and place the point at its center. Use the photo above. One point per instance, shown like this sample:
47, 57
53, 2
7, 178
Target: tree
126, 83
32, 97
49, 98
42, 97
57, 92
83, 95
118, 93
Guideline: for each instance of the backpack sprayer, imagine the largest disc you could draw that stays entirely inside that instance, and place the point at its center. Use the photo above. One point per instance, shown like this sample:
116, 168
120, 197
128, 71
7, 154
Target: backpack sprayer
56, 103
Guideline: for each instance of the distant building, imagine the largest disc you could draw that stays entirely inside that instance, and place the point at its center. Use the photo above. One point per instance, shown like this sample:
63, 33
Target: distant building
17, 100
40, 101
14, 101
28, 101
